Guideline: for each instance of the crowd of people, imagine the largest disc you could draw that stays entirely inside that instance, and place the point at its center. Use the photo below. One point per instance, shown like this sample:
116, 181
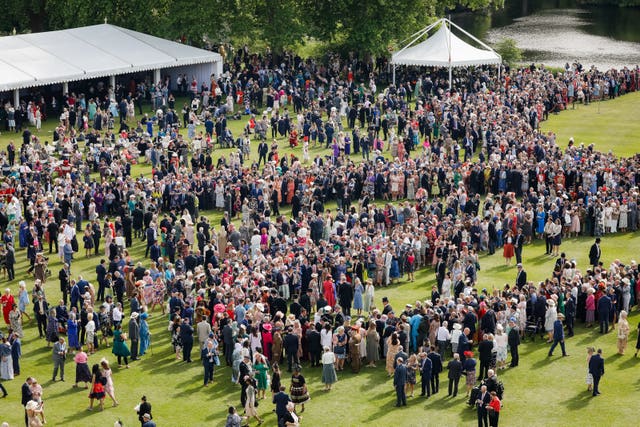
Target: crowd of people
418, 176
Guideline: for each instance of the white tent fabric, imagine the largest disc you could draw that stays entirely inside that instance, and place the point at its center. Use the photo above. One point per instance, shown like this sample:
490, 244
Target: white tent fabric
445, 49
40, 59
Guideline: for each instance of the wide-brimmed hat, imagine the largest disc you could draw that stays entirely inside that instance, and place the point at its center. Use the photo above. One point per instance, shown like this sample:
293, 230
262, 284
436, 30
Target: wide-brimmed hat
457, 326
134, 315
267, 327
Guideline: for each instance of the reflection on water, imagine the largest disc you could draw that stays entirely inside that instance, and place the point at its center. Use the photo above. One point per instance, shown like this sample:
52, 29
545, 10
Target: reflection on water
555, 37
556, 31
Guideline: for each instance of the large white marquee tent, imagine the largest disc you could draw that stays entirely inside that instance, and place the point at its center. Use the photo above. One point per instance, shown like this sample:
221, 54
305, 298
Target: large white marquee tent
444, 49
96, 51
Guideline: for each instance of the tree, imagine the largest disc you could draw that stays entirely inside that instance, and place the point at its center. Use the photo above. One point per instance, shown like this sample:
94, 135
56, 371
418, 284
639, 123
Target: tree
508, 49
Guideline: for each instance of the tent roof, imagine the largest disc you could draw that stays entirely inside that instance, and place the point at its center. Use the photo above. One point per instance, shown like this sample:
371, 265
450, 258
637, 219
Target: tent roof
444, 49
95, 51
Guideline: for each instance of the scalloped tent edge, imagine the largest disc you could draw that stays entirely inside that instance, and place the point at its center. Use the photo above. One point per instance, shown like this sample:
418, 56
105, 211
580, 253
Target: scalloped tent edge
444, 49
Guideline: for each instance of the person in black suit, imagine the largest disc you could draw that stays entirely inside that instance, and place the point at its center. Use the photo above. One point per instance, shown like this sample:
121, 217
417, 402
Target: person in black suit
245, 372
454, 369
281, 399
513, 339
436, 368
484, 352
26, 397
399, 382
518, 244
263, 149
596, 368
604, 310
481, 405
144, 408
101, 273
426, 371
41, 308
290, 344
521, 277
314, 344
441, 268
594, 253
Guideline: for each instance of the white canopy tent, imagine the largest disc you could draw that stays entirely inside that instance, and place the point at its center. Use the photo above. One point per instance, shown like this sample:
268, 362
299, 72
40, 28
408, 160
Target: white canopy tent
444, 49
40, 59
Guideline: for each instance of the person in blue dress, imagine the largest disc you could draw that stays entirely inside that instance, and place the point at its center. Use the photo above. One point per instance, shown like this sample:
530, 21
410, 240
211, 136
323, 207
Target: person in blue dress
358, 290
72, 331
541, 219
145, 336
394, 272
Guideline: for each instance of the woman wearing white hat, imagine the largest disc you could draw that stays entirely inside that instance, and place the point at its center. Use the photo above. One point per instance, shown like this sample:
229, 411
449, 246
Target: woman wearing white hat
329, 376
550, 317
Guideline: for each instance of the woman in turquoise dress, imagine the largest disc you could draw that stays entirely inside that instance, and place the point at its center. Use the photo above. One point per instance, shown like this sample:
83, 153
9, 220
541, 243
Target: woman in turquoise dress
120, 348
145, 335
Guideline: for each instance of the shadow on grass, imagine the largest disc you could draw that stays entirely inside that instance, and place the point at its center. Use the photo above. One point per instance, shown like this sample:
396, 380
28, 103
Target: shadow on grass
579, 401
632, 362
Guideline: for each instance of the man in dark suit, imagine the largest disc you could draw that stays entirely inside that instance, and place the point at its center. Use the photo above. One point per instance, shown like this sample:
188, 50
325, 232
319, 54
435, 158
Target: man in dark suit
41, 309
290, 344
399, 381
604, 310
263, 149
558, 336
570, 313
65, 280
518, 244
281, 399
101, 273
426, 370
134, 334
145, 408
454, 369
484, 351
227, 340
26, 397
481, 405
513, 339
594, 253
436, 368
245, 370
314, 344
186, 336
596, 368
463, 341
521, 277
441, 268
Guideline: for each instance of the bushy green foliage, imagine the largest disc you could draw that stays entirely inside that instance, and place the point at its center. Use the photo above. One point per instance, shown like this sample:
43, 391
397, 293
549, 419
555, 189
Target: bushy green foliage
509, 51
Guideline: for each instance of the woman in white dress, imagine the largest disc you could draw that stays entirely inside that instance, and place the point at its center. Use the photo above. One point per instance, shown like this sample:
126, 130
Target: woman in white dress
501, 346
623, 220
108, 388
368, 298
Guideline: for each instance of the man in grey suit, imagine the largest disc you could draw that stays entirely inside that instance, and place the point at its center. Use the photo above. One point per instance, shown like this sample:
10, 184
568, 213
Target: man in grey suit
204, 329
134, 335
59, 356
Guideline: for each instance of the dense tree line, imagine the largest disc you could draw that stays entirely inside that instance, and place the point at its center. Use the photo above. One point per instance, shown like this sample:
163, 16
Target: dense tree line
368, 26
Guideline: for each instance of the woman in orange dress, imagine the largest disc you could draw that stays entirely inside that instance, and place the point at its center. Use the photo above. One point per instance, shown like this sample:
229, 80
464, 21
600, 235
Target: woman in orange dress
291, 188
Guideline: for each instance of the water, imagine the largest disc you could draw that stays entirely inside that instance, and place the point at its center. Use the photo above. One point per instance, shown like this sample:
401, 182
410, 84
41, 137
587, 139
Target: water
560, 31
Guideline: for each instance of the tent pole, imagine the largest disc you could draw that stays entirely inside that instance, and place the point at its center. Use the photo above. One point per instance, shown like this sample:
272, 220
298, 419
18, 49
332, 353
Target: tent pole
16, 98
499, 72
394, 74
449, 76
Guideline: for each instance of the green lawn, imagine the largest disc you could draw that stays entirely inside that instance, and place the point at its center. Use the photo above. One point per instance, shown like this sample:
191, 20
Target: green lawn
538, 389
610, 125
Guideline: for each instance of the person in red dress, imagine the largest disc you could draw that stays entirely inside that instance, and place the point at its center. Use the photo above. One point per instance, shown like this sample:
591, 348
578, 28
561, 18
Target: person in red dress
329, 292
508, 250
7, 302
